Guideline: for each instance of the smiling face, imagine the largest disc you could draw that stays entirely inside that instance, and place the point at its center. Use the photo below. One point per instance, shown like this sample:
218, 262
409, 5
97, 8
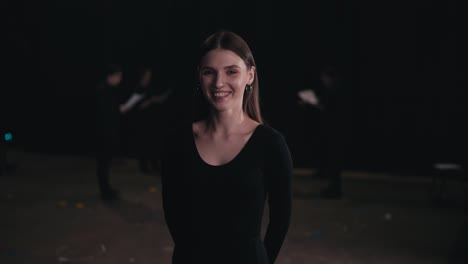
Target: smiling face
223, 78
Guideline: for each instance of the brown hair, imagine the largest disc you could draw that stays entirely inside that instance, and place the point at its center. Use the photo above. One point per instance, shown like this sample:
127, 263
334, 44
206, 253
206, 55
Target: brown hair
224, 39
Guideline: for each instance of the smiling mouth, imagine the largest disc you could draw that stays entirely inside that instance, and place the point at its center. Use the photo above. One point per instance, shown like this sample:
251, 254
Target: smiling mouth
220, 95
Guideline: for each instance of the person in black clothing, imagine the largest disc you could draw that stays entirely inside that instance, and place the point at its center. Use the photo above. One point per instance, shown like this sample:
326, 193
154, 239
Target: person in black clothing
329, 101
137, 119
147, 120
108, 124
219, 170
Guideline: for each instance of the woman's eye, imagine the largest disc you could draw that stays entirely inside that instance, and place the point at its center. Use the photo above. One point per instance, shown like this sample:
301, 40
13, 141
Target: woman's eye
207, 72
231, 72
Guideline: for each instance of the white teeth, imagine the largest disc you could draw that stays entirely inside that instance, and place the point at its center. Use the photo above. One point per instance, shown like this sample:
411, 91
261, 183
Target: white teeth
221, 94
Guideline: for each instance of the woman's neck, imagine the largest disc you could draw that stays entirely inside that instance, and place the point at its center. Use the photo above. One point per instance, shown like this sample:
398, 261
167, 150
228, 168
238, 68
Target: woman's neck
225, 122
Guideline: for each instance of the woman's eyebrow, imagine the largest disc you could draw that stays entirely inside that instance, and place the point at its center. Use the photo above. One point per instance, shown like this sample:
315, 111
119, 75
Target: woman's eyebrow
227, 67
231, 66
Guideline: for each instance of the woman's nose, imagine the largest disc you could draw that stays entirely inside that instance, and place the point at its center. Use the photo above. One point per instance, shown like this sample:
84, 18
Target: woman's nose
219, 80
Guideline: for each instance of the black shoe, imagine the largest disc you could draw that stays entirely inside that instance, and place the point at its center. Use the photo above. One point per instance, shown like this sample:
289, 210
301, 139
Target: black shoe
111, 195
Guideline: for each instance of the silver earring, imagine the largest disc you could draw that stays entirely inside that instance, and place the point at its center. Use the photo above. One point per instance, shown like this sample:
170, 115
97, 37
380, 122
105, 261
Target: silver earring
248, 87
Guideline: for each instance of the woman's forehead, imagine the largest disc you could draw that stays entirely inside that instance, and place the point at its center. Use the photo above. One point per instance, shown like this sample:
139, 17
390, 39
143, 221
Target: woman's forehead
221, 58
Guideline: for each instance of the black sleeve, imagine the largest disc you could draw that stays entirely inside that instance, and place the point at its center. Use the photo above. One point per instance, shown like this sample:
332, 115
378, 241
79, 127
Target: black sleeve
172, 199
278, 172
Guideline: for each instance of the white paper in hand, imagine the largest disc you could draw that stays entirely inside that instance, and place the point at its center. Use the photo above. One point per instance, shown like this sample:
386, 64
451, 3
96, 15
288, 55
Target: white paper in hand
308, 96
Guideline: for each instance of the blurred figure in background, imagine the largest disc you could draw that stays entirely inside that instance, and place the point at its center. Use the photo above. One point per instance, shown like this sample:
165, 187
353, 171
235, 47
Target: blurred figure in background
144, 107
108, 125
329, 100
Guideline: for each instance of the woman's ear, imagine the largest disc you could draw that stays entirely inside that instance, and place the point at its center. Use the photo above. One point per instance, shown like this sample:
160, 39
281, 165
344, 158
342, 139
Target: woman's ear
251, 75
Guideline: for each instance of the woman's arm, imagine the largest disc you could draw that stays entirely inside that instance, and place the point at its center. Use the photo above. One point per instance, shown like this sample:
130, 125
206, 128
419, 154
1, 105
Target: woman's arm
168, 190
173, 200
278, 173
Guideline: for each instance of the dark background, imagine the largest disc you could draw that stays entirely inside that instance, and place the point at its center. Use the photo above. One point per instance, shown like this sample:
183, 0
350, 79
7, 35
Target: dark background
405, 64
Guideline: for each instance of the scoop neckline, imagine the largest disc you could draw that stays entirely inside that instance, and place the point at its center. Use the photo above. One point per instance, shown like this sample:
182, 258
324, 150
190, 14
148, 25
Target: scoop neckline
228, 163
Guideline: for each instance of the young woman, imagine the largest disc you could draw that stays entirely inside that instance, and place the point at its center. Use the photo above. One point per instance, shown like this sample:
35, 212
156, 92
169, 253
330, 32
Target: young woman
218, 171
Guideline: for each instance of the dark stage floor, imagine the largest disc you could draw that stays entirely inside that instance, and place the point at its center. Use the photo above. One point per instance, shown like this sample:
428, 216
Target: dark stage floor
51, 213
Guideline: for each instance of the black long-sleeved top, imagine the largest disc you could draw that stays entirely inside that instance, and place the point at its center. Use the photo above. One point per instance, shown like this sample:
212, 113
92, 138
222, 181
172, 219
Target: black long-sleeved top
214, 213
108, 117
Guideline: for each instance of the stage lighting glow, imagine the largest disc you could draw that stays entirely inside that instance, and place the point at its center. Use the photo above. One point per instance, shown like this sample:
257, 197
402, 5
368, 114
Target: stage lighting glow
8, 136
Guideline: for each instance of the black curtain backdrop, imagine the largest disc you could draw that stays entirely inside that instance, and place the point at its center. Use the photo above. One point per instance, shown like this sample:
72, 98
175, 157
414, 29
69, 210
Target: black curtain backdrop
404, 66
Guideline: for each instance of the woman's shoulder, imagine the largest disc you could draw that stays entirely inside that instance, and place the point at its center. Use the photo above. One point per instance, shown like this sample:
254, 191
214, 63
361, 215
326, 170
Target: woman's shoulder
274, 145
198, 126
269, 132
271, 137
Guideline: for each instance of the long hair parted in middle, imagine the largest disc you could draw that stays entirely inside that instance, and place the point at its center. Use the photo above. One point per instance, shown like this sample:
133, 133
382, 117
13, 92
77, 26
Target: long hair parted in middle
228, 40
